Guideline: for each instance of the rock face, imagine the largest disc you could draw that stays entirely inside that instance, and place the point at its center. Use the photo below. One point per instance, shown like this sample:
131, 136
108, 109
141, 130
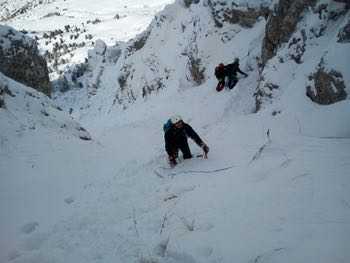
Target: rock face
328, 87
246, 18
20, 60
281, 25
344, 34
342, 1
235, 14
17, 8
2, 99
187, 3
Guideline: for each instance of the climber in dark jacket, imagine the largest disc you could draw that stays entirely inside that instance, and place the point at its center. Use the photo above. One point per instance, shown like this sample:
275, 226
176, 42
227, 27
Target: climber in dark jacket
176, 133
231, 73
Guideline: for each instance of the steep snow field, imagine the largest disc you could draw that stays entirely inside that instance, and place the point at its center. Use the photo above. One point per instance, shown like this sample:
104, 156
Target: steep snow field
256, 198
275, 187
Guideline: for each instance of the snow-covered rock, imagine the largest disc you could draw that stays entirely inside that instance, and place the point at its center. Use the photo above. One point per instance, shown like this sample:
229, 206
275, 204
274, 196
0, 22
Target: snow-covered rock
282, 24
10, 9
26, 110
344, 34
245, 14
178, 50
305, 51
66, 29
20, 60
328, 88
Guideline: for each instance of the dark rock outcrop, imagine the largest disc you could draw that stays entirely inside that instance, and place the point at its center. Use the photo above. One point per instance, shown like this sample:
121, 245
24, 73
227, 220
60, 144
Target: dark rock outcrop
282, 25
343, 1
328, 87
4, 90
264, 92
245, 18
344, 34
234, 14
139, 42
2, 99
297, 46
21, 61
187, 3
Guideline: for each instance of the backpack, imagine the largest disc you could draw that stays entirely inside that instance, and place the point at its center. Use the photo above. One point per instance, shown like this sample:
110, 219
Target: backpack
220, 71
167, 126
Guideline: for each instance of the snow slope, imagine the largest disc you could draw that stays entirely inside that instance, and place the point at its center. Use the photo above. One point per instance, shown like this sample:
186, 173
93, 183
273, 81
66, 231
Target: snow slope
175, 37
274, 189
178, 35
254, 199
29, 121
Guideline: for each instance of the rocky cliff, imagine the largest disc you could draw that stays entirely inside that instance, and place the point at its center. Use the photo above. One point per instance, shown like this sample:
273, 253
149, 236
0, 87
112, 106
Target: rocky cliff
21, 61
282, 24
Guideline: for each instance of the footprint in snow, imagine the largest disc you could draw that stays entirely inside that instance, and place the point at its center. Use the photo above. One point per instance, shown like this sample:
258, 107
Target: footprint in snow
29, 227
34, 242
205, 252
13, 255
69, 200
205, 227
180, 257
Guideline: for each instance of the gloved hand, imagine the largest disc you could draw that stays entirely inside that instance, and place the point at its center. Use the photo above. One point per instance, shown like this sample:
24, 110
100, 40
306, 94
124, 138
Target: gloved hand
246, 75
205, 148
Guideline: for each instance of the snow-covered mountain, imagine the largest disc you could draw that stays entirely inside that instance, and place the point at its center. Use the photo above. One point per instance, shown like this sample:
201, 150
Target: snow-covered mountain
275, 187
66, 29
21, 61
179, 50
182, 46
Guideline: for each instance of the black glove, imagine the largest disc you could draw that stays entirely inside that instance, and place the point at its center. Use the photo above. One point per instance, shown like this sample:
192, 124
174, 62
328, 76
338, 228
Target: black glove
205, 148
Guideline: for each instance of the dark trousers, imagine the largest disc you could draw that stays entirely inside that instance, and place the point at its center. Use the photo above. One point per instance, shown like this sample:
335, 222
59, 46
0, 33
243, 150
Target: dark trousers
221, 85
232, 81
184, 148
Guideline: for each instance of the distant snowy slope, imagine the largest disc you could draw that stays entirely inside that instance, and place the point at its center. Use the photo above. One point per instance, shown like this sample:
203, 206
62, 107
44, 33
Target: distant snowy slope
13, 8
65, 29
